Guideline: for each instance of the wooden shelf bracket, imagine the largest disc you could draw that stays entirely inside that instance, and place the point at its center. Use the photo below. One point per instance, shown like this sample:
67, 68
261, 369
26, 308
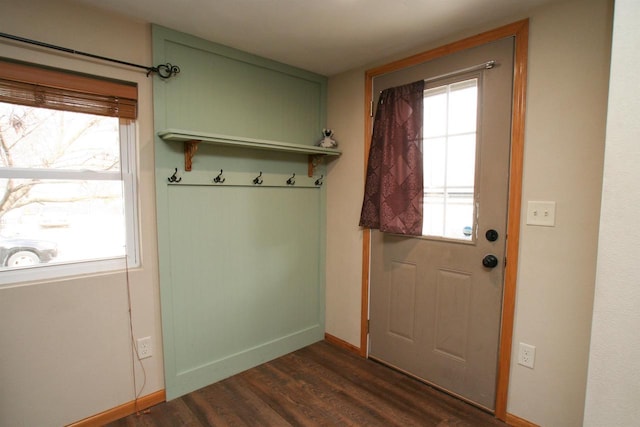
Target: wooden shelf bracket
190, 148
314, 161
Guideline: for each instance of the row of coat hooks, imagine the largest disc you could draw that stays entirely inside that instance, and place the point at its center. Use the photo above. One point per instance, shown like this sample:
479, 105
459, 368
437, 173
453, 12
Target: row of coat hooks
258, 180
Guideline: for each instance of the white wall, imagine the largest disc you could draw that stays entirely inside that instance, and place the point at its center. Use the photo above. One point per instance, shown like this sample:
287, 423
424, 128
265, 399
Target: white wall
564, 143
345, 184
613, 388
65, 347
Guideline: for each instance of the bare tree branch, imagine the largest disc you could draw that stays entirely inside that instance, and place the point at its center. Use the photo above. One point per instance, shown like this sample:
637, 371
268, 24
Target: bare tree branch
17, 146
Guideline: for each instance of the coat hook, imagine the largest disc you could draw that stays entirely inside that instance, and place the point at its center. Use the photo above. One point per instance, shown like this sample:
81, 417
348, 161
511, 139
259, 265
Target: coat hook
258, 180
174, 178
319, 180
292, 180
219, 179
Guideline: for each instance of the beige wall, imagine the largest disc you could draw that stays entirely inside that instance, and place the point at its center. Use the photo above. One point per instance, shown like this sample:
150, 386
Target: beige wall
564, 146
613, 386
65, 347
345, 183
564, 142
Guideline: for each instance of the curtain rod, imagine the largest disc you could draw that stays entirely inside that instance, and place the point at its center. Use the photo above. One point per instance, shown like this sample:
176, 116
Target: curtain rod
484, 66
164, 70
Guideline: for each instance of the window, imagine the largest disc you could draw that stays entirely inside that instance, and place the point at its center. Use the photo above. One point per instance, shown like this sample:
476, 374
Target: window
449, 149
67, 174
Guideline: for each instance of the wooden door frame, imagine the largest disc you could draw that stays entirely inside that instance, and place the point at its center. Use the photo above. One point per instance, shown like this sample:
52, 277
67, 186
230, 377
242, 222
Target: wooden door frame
520, 31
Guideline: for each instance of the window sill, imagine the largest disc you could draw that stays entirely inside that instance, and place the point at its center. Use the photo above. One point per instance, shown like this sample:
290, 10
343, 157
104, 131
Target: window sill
62, 271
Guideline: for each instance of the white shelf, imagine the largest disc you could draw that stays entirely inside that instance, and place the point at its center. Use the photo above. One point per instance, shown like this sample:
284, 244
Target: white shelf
191, 140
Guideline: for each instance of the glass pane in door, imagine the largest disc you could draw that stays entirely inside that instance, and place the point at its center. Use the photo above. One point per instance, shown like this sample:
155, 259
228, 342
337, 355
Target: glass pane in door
449, 149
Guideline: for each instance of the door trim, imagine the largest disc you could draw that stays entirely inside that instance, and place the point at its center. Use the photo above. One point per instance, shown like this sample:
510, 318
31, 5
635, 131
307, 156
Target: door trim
520, 31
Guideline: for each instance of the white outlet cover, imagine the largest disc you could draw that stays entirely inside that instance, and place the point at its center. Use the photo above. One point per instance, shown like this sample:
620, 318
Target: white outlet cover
526, 355
144, 347
541, 213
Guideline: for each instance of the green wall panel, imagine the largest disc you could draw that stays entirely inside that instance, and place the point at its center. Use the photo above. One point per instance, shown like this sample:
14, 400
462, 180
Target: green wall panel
224, 91
244, 274
241, 267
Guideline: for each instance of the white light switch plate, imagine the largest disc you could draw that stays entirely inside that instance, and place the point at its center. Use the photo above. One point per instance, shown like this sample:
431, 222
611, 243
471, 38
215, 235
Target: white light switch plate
541, 213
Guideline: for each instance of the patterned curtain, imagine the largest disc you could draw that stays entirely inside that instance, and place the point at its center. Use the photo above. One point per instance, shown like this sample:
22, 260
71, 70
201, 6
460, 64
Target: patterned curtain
393, 194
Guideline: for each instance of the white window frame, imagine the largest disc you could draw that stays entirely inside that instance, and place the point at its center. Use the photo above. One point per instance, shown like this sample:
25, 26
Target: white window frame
128, 175
447, 83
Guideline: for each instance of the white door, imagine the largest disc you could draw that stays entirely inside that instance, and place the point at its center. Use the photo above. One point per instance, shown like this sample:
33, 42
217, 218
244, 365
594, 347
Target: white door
436, 300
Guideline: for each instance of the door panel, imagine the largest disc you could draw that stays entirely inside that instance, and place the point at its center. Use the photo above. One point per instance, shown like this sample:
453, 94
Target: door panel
434, 308
451, 323
402, 307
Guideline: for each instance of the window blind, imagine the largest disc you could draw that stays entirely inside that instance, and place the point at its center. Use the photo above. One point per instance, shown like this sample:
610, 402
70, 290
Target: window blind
36, 86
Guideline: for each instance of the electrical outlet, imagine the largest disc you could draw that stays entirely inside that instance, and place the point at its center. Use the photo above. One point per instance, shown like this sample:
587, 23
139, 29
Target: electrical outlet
144, 347
526, 355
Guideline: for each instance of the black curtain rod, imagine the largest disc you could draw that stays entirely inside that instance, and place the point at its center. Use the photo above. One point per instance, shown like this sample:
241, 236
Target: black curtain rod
164, 70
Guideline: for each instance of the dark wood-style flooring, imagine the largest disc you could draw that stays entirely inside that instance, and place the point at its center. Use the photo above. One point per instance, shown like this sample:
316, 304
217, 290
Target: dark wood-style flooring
320, 385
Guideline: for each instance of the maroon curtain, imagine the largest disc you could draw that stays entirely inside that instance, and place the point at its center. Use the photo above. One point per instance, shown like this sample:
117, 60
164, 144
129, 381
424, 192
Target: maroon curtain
393, 193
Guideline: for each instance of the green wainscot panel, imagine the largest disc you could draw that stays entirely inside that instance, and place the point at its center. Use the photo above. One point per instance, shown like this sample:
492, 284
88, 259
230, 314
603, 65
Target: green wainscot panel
245, 279
241, 266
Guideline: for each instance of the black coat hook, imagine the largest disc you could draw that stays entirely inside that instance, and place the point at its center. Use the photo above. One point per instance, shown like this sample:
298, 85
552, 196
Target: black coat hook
292, 180
219, 179
174, 178
258, 179
319, 180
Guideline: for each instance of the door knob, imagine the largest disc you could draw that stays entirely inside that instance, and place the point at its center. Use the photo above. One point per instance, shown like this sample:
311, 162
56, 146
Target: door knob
490, 261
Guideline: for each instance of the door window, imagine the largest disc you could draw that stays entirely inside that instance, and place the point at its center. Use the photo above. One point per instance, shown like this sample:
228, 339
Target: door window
449, 149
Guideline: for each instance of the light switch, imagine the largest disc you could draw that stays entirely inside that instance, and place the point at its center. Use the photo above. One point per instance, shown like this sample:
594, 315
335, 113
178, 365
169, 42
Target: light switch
541, 213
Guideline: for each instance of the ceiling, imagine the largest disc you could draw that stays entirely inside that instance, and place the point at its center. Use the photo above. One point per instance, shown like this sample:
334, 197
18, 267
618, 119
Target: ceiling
323, 36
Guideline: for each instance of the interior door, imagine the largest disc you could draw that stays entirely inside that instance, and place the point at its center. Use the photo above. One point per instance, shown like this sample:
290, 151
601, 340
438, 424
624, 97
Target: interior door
436, 300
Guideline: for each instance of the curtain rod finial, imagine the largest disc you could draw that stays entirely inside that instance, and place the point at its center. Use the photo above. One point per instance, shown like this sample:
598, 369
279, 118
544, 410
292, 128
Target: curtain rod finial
164, 71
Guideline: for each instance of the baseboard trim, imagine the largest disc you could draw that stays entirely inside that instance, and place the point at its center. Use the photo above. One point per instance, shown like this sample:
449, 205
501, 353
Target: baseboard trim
122, 411
515, 421
341, 343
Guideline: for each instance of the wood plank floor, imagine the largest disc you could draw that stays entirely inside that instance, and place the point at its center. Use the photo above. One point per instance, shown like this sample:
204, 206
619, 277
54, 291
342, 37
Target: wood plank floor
320, 385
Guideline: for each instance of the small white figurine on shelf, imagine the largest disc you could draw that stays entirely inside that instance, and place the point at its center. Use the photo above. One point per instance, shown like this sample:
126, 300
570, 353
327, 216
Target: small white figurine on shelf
327, 140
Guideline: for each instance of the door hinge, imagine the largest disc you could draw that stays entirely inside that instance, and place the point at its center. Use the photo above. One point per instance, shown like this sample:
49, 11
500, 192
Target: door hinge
368, 325
371, 109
